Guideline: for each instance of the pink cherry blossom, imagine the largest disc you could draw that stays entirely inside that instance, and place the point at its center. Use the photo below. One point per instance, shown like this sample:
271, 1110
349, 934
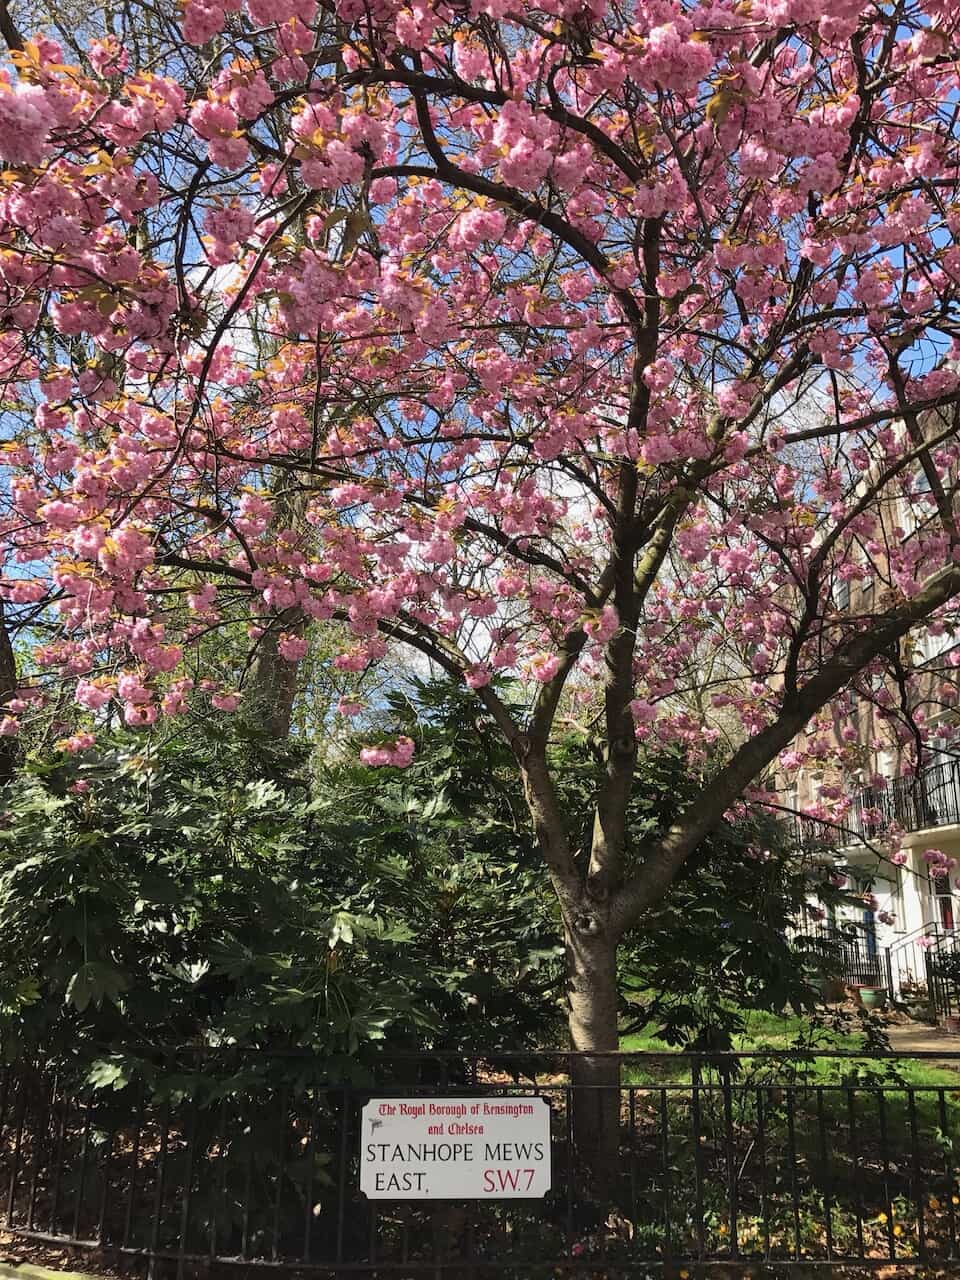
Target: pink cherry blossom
292, 647
544, 666
26, 119
92, 695
138, 715
398, 754
606, 349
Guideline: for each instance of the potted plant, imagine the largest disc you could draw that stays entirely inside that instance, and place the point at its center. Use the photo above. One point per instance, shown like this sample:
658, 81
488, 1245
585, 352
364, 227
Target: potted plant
915, 998
869, 996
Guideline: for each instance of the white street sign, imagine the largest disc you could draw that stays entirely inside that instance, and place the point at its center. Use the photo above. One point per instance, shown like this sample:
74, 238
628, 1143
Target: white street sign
482, 1148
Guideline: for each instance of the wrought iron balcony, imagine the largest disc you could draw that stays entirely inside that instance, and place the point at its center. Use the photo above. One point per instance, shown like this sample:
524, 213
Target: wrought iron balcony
929, 799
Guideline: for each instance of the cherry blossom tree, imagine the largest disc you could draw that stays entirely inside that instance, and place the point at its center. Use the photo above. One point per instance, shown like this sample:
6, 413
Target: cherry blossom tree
591, 344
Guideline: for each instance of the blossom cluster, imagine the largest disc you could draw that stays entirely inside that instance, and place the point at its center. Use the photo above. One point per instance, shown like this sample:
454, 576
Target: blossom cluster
505, 307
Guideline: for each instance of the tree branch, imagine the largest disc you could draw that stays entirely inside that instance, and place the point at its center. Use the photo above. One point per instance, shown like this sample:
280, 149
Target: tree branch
8, 29
664, 860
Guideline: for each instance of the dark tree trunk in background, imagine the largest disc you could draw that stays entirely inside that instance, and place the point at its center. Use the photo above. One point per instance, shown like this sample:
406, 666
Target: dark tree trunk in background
272, 690
273, 685
9, 747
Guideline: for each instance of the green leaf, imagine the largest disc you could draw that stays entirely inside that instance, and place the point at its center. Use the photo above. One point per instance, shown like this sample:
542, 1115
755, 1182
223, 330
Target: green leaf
92, 981
108, 1075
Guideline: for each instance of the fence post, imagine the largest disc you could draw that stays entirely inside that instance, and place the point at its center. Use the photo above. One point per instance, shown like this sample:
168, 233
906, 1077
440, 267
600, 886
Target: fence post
342, 1173
187, 1186
152, 1266
39, 1141
732, 1180
933, 985
134, 1168
17, 1147
698, 1157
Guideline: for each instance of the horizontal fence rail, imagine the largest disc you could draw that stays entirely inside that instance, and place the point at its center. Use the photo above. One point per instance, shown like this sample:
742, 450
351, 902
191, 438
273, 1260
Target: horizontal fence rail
728, 1158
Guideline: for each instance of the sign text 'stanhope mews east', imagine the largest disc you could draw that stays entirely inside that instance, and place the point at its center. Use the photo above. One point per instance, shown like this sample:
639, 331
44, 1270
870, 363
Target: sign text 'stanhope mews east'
455, 1148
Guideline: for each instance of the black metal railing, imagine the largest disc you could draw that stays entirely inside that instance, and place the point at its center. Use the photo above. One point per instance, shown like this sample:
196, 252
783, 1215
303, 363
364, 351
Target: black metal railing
736, 1158
921, 971
847, 953
929, 799
914, 979
925, 971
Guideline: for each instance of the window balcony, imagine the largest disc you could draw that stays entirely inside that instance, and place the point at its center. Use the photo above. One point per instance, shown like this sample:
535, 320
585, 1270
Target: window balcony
928, 799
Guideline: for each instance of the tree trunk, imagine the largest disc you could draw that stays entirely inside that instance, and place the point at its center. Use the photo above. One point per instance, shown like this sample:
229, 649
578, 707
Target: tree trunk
592, 1006
273, 685
9, 747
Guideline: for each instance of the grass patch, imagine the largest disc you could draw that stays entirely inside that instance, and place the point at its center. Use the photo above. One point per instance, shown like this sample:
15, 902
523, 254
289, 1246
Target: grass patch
788, 1032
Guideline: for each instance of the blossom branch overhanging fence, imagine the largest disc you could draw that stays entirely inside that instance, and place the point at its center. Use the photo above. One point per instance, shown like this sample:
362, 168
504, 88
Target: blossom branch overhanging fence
758, 1157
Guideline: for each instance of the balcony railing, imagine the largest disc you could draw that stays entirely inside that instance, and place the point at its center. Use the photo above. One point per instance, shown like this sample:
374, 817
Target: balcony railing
929, 799
849, 953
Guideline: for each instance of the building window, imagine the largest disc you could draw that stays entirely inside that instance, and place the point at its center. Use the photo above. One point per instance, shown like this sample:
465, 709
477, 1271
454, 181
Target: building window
865, 886
843, 595
942, 901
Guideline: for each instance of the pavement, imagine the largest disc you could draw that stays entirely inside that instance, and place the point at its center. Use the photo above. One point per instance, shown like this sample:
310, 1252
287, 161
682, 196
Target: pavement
921, 1038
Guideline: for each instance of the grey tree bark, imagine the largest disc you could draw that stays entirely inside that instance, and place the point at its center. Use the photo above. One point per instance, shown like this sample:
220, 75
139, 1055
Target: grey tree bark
592, 998
9, 749
272, 688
